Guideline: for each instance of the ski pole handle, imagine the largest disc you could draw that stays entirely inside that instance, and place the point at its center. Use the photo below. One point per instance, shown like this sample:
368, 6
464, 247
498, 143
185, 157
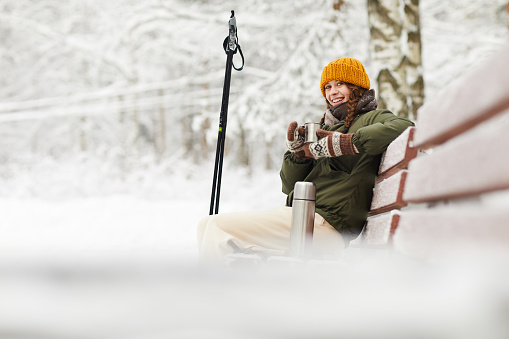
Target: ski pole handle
232, 28
230, 44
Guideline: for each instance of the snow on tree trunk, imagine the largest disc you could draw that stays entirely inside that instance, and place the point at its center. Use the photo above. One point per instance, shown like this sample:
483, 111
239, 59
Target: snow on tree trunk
386, 54
414, 75
396, 54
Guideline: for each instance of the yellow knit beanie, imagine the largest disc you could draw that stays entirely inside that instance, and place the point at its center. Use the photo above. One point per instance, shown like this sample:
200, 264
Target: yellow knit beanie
345, 69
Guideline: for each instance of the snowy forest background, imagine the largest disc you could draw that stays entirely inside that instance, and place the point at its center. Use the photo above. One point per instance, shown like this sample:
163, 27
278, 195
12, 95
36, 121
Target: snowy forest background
99, 98
109, 110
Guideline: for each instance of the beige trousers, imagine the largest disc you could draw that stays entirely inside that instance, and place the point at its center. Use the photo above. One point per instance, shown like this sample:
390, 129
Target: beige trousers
266, 232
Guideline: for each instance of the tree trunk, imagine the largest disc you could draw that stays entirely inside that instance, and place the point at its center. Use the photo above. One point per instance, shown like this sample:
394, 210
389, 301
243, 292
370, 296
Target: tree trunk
83, 137
204, 146
386, 55
187, 136
396, 54
243, 149
414, 70
160, 128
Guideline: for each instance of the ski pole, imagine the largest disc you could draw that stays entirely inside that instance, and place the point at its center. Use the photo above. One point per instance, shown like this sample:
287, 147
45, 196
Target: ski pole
230, 46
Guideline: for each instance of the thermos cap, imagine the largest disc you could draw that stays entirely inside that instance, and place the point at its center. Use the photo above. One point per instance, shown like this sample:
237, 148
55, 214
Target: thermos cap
304, 190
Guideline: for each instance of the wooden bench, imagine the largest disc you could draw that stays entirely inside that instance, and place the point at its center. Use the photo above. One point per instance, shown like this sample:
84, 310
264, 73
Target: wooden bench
387, 200
453, 198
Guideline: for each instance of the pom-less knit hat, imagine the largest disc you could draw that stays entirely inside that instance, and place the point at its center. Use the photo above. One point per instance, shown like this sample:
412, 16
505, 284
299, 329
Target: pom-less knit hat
345, 69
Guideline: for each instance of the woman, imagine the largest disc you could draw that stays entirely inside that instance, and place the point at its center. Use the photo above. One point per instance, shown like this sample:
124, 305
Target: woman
343, 164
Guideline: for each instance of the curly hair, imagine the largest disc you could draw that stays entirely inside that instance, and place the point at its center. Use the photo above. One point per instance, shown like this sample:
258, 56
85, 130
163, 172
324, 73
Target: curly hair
356, 93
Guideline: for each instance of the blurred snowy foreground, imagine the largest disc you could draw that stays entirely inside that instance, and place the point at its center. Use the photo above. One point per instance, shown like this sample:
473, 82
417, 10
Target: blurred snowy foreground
125, 266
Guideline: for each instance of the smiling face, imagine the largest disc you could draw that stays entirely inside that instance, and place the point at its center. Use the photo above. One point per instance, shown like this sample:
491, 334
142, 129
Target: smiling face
336, 92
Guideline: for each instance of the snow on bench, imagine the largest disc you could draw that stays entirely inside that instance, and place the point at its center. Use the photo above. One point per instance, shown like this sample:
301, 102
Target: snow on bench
439, 203
479, 96
388, 193
457, 188
462, 186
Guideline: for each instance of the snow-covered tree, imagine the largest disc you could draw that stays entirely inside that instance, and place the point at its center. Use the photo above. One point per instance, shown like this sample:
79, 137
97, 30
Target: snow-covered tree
414, 76
396, 54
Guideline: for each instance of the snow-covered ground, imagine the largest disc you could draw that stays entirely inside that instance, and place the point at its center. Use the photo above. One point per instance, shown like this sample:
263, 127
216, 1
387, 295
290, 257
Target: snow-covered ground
115, 298
124, 266
68, 209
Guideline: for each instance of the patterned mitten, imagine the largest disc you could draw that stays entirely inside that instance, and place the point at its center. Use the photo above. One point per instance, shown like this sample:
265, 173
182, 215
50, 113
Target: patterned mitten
295, 137
330, 144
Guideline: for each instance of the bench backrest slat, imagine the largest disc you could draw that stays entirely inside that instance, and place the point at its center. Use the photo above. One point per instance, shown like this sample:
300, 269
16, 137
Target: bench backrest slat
477, 97
379, 229
476, 162
429, 233
398, 154
388, 194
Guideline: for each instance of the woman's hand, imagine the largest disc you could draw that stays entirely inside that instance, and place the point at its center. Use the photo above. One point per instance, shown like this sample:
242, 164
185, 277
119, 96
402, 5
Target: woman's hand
330, 144
295, 137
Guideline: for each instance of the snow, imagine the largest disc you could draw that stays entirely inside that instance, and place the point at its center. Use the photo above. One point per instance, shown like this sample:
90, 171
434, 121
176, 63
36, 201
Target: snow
114, 223
73, 210
102, 243
123, 265
149, 296
387, 191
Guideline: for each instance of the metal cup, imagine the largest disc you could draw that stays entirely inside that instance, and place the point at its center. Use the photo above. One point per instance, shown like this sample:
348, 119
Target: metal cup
310, 132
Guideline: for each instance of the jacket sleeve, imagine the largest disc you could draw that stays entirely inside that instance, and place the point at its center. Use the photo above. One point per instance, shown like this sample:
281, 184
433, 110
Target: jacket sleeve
293, 169
380, 132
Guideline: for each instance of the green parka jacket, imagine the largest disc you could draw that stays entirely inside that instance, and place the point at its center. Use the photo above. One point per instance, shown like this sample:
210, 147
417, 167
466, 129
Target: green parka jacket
344, 184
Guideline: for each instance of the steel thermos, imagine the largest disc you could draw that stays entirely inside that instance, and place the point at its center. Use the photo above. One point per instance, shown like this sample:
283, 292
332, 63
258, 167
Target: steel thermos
303, 218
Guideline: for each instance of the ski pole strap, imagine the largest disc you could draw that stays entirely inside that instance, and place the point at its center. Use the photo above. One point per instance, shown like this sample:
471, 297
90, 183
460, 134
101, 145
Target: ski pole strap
225, 46
242, 56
